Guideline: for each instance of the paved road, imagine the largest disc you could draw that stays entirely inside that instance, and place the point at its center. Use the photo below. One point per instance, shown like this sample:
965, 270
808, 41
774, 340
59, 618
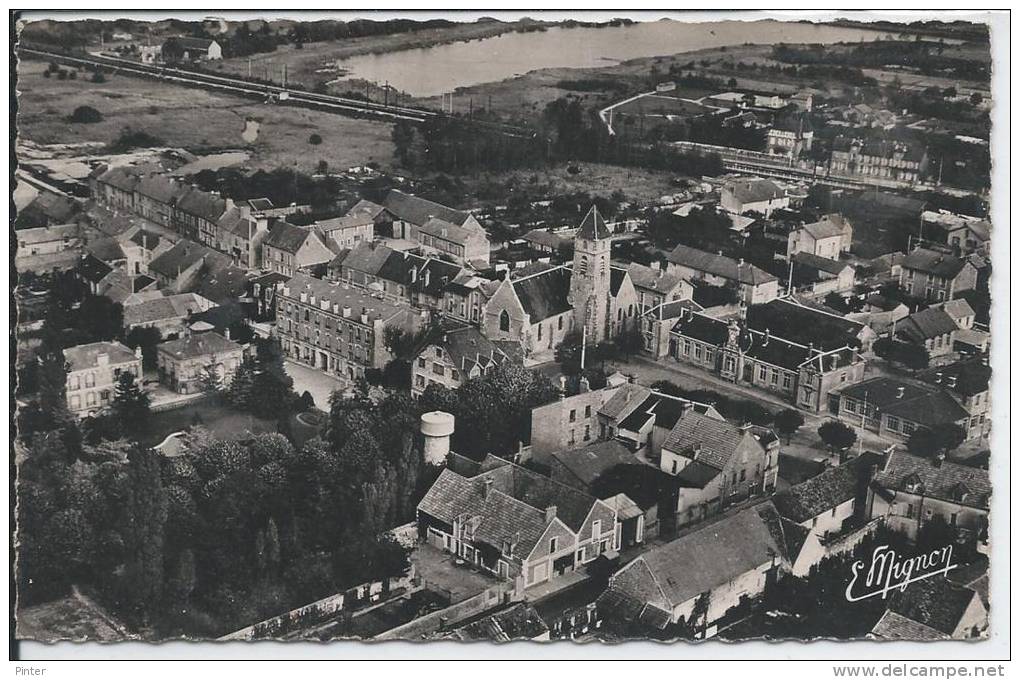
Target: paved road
315, 382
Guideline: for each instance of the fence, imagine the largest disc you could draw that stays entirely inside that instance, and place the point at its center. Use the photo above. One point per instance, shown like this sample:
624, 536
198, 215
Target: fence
425, 626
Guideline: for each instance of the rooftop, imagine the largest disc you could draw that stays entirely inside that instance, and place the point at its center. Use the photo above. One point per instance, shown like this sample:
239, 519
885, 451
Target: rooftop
719, 265
198, 345
81, 357
944, 480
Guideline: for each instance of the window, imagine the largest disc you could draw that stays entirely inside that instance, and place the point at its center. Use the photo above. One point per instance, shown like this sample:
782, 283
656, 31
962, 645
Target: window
697, 352
687, 348
439, 352
673, 471
504, 321
553, 544
908, 428
419, 380
774, 378
893, 423
539, 331
762, 373
850, 406
787, 381
587, 432
437, 369
559, 323
596, 528
90, 379
105, 395
573, 415
743, 474
587, 411
910, 511
731, 364
75, 382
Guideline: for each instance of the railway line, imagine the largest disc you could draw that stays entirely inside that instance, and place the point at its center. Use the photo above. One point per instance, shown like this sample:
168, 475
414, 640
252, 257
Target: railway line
266, 91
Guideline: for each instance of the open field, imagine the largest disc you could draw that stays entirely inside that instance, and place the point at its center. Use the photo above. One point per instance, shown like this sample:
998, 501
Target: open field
196, 120
317, 61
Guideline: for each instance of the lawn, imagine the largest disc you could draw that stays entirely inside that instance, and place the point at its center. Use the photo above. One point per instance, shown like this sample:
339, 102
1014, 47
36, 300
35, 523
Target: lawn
196, 120
223, 421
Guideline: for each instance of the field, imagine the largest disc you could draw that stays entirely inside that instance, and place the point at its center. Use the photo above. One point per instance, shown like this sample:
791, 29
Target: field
196, 120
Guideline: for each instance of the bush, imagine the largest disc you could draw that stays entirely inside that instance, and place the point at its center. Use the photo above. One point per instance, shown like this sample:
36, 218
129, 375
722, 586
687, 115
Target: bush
904, 353
837, 436
85, 114
98, 77
315, 139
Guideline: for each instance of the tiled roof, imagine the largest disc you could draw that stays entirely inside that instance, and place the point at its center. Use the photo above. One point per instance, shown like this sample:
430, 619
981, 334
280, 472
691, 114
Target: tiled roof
344, 296
934, 262
198, 345
945, 480
803, 325
925, 325
654, 280
539, 491
517, 622
754, 190
448, 231
827, 227
673, 309
934, 602
286, 237
545, 238
957, 308
202, 204
624, 400
919, 403
822, 493
593, 226
544, 295
617, 276
169, 307
160, 189
468, 348
965, 378
893, 626
418, 211
107, 249
719, 265
85, 356
704, 439
184, 254
120, 178
586, 464
149, 240
701, 561
233, 223
92, 269
56, 232
363, 213
367, 258
818, 263
190, 43
223, 283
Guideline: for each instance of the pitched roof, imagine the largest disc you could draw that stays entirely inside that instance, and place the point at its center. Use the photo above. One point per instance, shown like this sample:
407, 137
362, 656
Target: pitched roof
827, 227
519, 621
651, 279
926, 324
120, 177
943, 480
56, 232
934, 262
286, 237
965, 378
346, 296
86, 356
934, 602
702, 560
367, 258
202, 204
189, 42
160, 189
719, 265
544, 237
107, 249
157, 309
893, 626
544, 295
958, 308
705, 440
418, 211
593, 227
448, 231
820, 264
803, 325
223, 283
586, 464
183, 255
919, 403
468, 348
823, 492
198, 345
754, 190
361, 214
92, 269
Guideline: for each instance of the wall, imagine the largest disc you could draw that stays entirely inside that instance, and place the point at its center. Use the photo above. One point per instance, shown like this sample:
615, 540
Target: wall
551, 424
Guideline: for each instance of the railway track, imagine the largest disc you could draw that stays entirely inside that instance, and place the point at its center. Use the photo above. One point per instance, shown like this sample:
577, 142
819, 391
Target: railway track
282, 95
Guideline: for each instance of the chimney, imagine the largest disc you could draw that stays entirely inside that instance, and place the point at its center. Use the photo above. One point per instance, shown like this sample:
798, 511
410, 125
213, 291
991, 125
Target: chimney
765, 341
939, 458
899, 392
226, 333
488, 487
563, 384
427, 277
583, 384
951, 381
138, 352
833, 362
347, 312
550, 513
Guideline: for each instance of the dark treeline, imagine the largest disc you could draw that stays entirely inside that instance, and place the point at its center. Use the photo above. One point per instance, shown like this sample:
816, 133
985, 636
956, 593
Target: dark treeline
925, 55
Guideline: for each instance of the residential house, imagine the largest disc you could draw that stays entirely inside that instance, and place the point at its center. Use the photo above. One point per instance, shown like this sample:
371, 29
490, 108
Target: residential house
830, 237
45, 249
115, 187
726, 564
196, 49
516, 523
910, 490
572, 420
197, 215
830, 509
181, 268
968, 382
755, 195
456, 353
886, 159
964, 234
169, 314
288, 249
933, 609
338, 329
186, 365
465, 297
92, 374
930, 330
125, 289
546, 241
154, 199
897, 408
820, 276
753, 285
656, 285
934, 276
437, 228
718, 464
354, 227
789, 138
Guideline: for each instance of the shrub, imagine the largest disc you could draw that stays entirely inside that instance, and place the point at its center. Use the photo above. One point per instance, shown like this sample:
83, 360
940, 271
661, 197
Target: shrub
98, 77
85, 114
315, 139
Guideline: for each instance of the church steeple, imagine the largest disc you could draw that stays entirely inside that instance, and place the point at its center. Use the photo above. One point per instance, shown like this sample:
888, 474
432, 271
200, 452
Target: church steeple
590, 279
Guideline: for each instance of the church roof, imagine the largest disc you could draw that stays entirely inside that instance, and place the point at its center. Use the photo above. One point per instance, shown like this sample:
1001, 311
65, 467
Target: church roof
593, 227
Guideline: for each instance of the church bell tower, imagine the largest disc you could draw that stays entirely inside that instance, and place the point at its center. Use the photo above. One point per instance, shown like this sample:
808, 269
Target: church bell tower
589, 282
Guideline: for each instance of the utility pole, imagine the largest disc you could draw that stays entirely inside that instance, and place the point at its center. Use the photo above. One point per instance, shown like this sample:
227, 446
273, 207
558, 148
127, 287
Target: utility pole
249, 68
386, 93
284, 75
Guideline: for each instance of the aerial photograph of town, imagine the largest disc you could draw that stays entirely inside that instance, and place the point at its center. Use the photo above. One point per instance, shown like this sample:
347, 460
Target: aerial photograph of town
493, 328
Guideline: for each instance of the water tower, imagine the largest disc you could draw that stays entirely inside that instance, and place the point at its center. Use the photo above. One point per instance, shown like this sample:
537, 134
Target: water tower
436, 428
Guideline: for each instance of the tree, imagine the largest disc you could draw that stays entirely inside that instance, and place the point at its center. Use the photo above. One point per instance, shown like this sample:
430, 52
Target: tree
85, 114
837, 436
241, 392
787, 422
146, 337
98, 77
936, 440
182, 583
130, 404
146, 513
211, 378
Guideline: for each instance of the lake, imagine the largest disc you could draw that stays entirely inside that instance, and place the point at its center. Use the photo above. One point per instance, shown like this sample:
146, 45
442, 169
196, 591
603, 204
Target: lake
431, 71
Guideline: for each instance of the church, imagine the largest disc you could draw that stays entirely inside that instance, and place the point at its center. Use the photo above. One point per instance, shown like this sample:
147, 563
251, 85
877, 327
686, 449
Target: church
590, 297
